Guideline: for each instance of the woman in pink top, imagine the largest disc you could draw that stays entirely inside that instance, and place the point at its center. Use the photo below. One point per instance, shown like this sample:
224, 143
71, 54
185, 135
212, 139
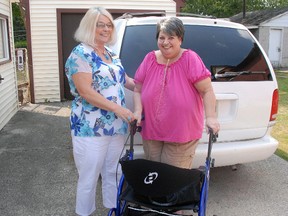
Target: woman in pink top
173, 91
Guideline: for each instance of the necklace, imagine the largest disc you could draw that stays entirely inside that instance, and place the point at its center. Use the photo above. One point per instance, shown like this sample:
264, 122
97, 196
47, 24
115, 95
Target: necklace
105, 53
172, 59
164, 82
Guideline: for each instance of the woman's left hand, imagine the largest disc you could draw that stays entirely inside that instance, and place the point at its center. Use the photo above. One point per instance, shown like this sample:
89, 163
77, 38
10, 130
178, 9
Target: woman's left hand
213, 123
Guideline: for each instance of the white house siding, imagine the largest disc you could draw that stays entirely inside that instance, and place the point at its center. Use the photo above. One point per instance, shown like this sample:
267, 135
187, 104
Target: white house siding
8, 86
279, 22
44, 37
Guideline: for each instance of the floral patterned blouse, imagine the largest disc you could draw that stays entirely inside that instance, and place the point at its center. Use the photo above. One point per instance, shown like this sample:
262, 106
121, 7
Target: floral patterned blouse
87, 120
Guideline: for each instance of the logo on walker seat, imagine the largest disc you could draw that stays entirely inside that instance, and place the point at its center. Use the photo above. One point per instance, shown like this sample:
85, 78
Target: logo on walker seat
150, 178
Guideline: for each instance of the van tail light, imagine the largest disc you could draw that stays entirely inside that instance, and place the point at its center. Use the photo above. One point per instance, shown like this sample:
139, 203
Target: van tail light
274, 107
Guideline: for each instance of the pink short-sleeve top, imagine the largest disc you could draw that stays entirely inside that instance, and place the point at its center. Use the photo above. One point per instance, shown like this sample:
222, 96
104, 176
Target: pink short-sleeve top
172, 106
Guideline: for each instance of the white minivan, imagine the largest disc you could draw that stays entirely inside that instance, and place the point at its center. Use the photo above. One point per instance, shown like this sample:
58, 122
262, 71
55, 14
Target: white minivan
242, 76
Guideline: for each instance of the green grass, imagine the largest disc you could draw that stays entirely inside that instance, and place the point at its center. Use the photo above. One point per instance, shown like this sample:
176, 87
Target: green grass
279, 131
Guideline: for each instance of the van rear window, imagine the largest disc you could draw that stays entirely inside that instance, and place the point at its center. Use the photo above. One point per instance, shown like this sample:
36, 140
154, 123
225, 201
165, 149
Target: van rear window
230, 54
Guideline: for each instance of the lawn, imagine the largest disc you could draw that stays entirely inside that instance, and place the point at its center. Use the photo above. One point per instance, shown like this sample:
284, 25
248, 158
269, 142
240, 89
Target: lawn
279, 131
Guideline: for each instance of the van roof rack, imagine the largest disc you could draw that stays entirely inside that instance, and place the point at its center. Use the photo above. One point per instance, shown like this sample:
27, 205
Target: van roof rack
141, 14
162, 13
195, 15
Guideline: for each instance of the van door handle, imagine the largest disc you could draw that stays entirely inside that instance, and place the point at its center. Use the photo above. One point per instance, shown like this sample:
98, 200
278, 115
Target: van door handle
1, 78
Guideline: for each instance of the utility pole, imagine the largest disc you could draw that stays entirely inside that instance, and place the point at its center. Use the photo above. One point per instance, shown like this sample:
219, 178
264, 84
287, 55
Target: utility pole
244, 8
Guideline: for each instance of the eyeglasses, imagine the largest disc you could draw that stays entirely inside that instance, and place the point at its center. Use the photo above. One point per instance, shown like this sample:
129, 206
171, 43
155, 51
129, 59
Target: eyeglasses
102, 25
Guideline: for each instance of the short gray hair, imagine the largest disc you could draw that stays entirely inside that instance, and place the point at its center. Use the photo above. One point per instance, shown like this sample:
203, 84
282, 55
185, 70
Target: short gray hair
85, 33
171, 26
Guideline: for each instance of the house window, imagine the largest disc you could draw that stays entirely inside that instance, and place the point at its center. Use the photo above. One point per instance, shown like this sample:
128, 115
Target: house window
4, 41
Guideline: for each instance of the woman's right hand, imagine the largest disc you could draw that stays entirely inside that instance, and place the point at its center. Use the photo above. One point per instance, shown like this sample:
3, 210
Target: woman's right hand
125, 114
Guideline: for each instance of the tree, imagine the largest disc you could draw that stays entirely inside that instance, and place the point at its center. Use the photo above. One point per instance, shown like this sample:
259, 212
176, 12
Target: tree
227, 8
18, 26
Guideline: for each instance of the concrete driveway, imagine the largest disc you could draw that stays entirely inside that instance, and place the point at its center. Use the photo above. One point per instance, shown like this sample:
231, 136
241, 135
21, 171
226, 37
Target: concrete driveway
38, 176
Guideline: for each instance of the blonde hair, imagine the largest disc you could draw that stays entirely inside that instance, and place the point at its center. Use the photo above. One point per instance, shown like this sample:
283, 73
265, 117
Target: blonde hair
85, 32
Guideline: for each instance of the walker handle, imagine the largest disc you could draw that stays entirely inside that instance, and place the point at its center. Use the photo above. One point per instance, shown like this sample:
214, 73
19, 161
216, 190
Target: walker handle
212, 139
133, 129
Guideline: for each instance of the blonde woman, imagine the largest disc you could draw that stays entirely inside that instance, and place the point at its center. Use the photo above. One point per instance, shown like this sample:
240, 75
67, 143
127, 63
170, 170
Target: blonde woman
99, 118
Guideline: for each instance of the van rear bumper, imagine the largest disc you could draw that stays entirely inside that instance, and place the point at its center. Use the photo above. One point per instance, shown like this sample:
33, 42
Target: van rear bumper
230, 153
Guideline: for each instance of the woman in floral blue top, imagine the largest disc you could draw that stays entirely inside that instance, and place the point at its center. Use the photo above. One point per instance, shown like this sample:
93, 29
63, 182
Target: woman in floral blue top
99, 119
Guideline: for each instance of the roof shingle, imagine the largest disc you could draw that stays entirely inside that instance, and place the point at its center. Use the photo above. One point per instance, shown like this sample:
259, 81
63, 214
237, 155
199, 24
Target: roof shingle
257, 17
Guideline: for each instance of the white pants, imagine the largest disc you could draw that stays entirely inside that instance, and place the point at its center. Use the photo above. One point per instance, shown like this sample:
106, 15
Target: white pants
94, 156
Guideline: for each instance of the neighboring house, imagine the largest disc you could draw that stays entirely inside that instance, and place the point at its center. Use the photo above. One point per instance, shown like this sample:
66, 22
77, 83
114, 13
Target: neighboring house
8, 78
50, 29
270, 27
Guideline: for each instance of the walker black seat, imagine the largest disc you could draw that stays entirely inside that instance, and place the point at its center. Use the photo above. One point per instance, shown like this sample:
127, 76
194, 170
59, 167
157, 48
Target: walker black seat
157, 185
